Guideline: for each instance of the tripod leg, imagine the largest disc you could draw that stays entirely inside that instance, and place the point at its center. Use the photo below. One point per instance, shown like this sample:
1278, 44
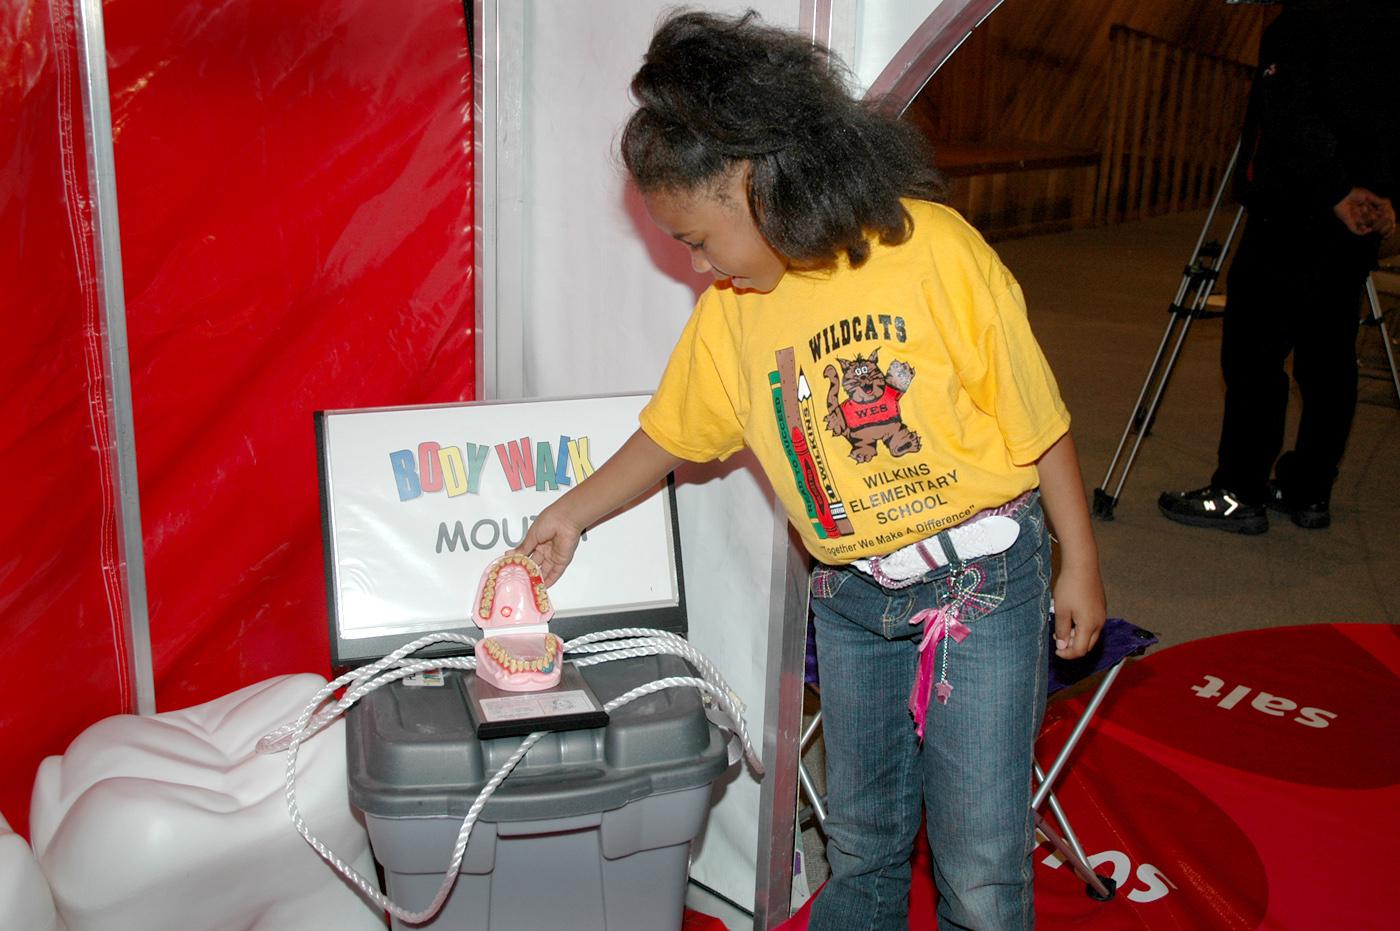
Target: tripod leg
1104, 502
1385, 336
1198, 303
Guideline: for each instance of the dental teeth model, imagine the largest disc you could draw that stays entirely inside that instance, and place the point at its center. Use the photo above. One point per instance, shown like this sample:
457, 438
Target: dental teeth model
487, 605
513, 608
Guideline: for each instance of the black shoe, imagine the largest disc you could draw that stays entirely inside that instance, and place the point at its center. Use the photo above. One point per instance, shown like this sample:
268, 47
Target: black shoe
1314, 516
1213, 507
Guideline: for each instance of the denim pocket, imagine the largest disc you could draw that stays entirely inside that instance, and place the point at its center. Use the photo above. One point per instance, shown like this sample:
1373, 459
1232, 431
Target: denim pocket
843, 592
977, 588
826, 581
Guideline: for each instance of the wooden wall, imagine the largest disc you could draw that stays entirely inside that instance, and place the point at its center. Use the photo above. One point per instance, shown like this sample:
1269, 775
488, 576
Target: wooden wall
1039, 76
1173, 115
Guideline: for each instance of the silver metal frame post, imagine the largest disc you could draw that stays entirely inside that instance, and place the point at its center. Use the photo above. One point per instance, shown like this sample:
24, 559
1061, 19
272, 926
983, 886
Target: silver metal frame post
102, 181
787, 646
786, 665
498, 175
782, 726
931, 45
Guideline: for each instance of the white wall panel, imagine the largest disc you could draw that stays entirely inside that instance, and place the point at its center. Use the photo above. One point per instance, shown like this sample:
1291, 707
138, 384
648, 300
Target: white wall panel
605, 295
882, 28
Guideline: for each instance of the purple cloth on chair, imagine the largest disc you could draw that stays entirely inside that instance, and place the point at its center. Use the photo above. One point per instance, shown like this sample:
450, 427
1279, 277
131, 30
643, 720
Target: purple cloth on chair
1118, 640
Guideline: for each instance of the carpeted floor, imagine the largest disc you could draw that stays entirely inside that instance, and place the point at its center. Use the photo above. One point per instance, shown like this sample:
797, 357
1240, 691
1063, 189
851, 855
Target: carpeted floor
1098, 301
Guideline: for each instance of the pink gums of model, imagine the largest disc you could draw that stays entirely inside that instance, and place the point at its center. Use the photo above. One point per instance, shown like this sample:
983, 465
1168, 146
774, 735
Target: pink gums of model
512, 595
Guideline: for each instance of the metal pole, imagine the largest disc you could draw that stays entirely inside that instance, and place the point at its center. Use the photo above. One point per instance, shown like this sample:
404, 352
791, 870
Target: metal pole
498, 65
782, 727
786, 665
102, 182
1080, 726
814, 19
932, 44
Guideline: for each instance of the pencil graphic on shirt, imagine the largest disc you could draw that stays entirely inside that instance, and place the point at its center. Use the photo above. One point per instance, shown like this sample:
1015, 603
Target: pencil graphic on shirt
809, 423
783, 384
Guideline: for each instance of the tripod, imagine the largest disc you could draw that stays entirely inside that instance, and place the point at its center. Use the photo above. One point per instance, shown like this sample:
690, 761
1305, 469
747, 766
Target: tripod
1192, 303
1378, 321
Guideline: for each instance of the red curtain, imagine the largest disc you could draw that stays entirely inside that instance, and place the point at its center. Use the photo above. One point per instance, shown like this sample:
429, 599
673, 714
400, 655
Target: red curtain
60, 614
294, 183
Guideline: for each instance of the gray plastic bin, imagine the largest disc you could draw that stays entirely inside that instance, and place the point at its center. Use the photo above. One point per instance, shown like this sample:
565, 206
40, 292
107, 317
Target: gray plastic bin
591, 830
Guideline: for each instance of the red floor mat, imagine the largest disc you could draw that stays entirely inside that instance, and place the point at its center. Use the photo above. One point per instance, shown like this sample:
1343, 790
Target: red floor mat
694, 921
1245, 781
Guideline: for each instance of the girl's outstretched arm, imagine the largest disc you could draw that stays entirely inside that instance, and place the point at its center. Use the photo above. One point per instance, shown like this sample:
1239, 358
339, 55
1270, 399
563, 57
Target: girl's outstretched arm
553, 536
1080, 608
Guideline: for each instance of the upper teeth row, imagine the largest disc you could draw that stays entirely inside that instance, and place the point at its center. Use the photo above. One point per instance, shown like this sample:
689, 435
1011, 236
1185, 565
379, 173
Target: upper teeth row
488, 590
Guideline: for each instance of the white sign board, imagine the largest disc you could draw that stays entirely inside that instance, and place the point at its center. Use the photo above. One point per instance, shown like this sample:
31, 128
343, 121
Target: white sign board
419, 500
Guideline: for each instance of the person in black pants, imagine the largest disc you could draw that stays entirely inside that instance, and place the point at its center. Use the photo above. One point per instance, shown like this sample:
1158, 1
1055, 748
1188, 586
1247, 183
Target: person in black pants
1318, 166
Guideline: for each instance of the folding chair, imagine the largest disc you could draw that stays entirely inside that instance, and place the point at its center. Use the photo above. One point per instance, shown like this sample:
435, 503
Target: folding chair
1118, 641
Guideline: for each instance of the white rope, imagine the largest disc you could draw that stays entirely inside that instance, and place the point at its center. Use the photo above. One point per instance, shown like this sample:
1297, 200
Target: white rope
625, 643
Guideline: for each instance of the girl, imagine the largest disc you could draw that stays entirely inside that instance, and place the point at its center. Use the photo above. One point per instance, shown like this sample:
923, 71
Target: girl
874, 353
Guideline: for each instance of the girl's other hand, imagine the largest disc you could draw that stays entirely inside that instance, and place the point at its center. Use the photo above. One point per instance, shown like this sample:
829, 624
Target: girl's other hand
1080, 612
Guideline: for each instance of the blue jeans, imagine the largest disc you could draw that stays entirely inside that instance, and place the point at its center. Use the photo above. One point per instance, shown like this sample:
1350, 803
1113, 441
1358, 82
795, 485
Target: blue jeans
972, 775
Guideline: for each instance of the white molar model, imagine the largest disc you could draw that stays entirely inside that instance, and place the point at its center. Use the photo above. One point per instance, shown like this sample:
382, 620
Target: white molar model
175, 821
25, 900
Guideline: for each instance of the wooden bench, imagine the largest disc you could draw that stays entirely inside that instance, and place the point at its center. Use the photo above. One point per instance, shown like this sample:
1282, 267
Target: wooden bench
1011, 190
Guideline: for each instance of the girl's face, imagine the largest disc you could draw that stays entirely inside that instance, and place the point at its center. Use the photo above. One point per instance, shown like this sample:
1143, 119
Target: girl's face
723, 239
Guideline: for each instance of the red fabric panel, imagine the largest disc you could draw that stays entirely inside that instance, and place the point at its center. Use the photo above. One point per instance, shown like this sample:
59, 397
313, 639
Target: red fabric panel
59, 598
698, 921
296, 213
295, 196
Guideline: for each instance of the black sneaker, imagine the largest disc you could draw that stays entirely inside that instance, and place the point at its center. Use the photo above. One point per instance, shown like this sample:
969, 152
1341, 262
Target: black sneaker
1213, 507
1314, 516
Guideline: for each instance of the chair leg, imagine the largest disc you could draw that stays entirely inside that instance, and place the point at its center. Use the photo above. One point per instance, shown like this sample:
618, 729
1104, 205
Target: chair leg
809, 788
1079, 728
813, 798
1063, 821
1071, 851
1101, 888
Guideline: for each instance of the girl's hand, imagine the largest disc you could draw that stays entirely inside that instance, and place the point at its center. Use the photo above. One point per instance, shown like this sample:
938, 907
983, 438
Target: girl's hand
1080, 606
1080, 612
550, 541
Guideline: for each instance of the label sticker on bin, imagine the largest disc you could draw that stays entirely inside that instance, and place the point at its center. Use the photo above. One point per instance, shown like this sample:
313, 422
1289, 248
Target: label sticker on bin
516, 707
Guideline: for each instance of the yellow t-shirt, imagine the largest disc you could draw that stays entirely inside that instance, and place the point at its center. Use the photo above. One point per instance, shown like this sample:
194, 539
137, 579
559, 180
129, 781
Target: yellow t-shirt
885, 403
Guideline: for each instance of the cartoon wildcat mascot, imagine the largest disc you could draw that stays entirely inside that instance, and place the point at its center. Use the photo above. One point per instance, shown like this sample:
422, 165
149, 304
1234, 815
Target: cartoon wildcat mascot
870, 415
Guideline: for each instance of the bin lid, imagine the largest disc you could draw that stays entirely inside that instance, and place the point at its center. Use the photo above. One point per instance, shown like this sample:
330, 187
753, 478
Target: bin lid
413, 752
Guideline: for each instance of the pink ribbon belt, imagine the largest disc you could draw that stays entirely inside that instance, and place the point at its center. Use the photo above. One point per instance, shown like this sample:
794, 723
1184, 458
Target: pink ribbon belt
938, 624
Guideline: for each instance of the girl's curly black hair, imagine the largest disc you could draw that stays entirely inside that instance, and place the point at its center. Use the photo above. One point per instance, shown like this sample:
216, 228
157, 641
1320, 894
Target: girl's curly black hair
827, 171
